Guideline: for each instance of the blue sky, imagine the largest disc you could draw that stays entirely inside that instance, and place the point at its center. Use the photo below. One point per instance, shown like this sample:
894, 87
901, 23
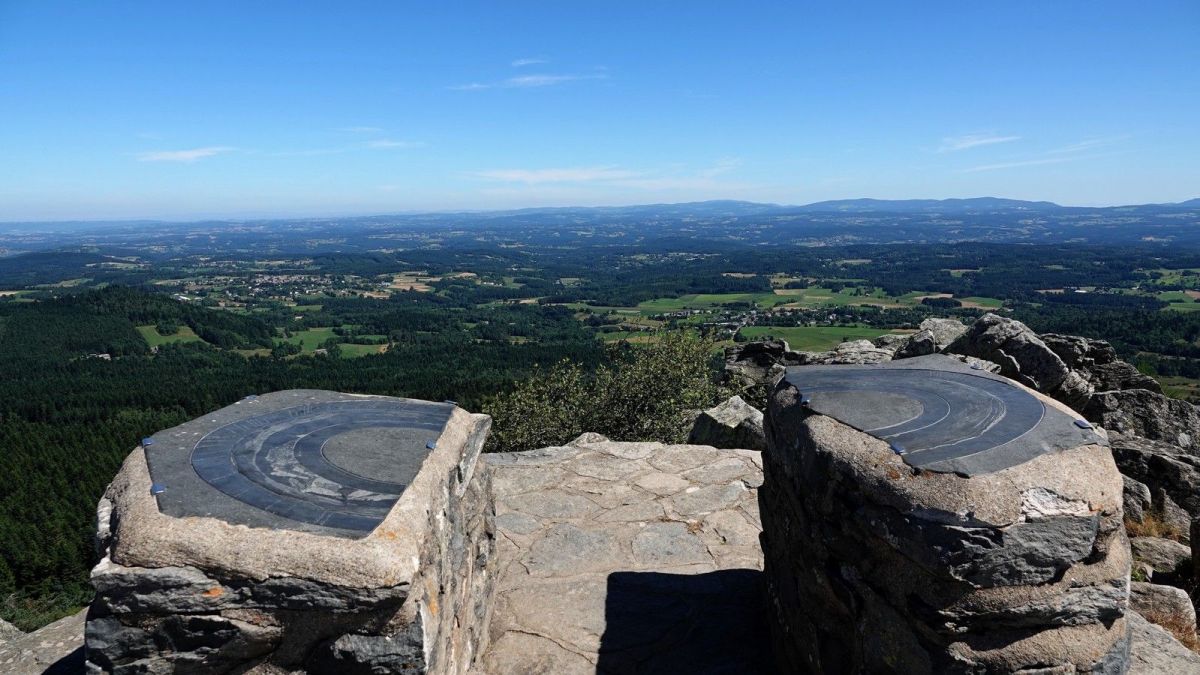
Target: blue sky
182, 110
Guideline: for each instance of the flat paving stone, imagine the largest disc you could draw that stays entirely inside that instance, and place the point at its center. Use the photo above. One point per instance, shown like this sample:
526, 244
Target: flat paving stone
667, 545
55, 649
663, 483
552, 504
663, 575
708, 499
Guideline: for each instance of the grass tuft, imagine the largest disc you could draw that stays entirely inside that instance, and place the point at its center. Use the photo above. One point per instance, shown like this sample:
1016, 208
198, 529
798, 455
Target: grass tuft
1174, 625
1153, 525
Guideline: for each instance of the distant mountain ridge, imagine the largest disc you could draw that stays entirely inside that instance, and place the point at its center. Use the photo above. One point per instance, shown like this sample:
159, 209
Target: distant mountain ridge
920, 205
691, 226
709, 208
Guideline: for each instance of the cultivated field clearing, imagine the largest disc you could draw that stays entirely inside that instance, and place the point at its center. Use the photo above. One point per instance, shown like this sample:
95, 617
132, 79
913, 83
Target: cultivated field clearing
816, 338
152, 338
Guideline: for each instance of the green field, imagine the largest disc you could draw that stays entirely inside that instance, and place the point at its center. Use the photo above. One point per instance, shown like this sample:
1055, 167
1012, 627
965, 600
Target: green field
710, 301
1180, 387
1187, 277
1180, 301
152, 338
351, 350
816, 296
989, 303
800, 297
815, 338
311, 340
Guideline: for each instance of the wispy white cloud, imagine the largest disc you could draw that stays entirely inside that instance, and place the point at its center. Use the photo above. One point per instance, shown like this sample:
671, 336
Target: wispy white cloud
183, 155
387, 143
1020, 163
360, 130
1080, 150
968, 141
559, 175
521, 63
530, 81
1088, 144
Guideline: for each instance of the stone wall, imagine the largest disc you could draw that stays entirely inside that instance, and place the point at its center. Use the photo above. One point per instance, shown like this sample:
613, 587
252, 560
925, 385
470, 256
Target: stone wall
201, 595
874, 567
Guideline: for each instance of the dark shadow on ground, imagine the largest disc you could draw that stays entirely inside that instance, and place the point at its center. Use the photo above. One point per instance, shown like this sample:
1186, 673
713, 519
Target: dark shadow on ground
71, 664
685, 623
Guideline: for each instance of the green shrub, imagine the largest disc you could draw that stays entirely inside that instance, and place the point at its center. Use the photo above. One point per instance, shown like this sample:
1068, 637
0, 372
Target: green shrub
645, 392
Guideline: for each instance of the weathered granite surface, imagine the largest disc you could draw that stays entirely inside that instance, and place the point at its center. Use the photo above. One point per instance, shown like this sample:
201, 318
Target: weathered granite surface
1156, 602
1137, 501
732, 424
54, 649
1024, 357
1154, 651
1163, 559
875, 567
9, 632
932, 336
1143, 413
1097, 362
1165, 468
201, 594
627, 558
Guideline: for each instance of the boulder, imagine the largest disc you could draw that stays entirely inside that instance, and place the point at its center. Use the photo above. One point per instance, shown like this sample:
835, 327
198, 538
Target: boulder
1164, 605
1097, 361
1164, 468
932, 336
1164, 557
891, 341
1154, 651
1122, 375
1139, 412
733, 424
1080, 353
850, 352
1173, 516
1024, 357
919, 344
9, 631
1137, 499
751, 361
873, 565
944, 331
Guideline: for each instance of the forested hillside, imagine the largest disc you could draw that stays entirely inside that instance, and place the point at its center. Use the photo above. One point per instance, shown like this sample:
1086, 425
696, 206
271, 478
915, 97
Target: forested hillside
68, 420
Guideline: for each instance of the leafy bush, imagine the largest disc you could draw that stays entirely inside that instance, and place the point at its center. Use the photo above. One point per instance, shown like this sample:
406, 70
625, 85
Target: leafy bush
640, 393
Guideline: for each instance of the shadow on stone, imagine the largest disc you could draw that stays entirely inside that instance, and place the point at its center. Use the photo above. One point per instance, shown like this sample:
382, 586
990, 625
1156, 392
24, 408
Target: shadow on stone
71, 664
685, 623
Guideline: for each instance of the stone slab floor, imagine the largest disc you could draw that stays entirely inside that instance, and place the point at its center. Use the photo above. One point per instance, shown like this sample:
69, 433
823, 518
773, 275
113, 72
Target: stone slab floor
628, 557
616, 558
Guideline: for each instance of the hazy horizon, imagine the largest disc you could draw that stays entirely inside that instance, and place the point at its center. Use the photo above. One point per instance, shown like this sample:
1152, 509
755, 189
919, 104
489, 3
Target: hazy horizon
451, 211
138, 110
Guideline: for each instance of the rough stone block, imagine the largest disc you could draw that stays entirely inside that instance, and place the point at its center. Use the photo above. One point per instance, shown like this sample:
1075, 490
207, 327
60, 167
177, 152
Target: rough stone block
338, 533
733, 424
875, 565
